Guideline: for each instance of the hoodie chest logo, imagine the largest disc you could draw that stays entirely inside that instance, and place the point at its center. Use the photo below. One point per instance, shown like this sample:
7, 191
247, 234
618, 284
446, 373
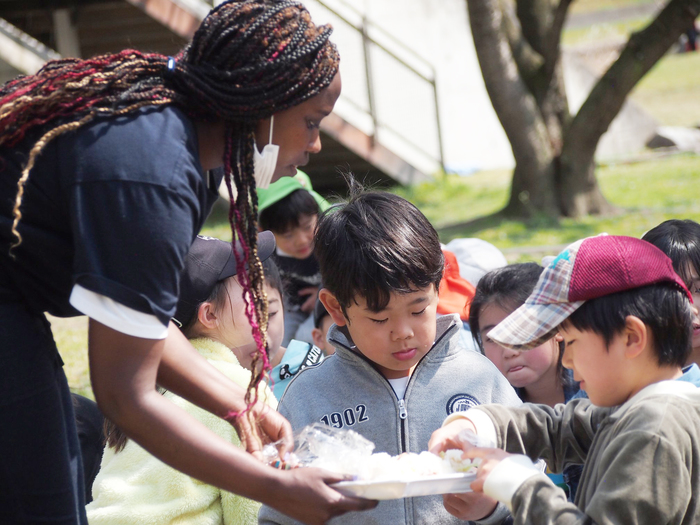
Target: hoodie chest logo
461, 403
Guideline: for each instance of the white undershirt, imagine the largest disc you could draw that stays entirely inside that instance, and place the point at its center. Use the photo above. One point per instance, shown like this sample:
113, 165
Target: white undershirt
115, 315
399, 385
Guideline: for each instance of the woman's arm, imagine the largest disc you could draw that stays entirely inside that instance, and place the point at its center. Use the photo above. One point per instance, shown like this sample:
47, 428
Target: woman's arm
184, 372
124, 370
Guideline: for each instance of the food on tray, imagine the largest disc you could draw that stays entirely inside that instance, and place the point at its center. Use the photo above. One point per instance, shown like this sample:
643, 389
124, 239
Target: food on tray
382, 466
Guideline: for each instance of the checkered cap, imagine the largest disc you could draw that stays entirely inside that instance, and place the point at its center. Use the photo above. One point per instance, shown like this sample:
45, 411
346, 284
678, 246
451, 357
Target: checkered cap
587, 269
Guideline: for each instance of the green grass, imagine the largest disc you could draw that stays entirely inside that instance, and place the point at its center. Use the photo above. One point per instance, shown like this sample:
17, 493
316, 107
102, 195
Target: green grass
603, 31
645, 193
671, 90
590, 6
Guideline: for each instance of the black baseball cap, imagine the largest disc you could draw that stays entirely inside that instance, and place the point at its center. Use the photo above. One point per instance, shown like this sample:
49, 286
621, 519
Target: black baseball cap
209, 261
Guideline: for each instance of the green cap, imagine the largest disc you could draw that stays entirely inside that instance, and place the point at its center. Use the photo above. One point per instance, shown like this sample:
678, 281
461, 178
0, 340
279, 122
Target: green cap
280, 189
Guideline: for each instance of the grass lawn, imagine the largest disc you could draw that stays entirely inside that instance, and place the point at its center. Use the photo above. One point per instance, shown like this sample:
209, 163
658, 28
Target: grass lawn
671, 90
591, 6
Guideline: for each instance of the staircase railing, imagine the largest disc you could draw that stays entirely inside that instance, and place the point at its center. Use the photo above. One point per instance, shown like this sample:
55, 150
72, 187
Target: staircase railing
366, 28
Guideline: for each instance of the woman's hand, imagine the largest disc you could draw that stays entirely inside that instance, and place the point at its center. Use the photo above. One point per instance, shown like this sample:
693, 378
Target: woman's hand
304, 495
261, 426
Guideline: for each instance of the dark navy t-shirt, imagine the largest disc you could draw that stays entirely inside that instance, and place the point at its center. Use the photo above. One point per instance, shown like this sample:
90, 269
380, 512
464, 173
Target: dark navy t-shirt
112, 207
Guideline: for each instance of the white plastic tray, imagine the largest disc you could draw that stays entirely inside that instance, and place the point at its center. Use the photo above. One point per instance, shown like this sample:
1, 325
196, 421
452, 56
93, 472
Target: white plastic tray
393, 489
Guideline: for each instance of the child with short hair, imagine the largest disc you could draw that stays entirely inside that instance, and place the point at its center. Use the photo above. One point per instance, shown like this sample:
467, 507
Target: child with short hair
289, 208
398, 370
680, 240
625, 317
135, 487
537, 375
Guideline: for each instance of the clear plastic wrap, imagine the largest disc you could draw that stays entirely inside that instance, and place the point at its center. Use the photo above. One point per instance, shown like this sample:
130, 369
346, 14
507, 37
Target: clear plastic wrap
347, 452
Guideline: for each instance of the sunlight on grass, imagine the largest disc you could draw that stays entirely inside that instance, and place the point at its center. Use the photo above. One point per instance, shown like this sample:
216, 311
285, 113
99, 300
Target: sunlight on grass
645, 193
603, 31
589, 6
671, 90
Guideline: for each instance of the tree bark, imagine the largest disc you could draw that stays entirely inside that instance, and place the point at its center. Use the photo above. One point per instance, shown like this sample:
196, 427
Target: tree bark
518, 112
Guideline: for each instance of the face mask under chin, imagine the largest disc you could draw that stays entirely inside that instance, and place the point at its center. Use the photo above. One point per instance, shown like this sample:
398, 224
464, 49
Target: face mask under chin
264, 163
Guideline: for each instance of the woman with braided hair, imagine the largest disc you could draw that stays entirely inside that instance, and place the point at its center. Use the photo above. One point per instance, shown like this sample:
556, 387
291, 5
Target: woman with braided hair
108, 169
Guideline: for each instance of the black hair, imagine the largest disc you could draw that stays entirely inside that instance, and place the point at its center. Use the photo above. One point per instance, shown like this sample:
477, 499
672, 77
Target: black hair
663, 308
508, 288
284, 214
680, 240
376, 244
273, 276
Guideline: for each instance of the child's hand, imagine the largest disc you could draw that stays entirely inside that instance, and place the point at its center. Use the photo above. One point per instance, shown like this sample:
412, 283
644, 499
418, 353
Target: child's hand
312, 292
470, 506
448, 437
490, 458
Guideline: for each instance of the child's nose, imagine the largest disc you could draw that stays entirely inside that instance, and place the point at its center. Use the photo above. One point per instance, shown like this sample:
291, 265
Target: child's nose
401, 332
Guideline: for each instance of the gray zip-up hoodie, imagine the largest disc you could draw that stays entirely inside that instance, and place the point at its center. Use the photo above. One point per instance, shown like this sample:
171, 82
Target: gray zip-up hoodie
346, 391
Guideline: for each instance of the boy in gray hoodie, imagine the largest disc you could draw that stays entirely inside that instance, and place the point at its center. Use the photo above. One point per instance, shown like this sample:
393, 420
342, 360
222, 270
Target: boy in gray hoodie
398, 370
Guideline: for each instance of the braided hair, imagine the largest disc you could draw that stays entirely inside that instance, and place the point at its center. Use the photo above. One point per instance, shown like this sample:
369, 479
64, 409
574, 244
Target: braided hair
248, 60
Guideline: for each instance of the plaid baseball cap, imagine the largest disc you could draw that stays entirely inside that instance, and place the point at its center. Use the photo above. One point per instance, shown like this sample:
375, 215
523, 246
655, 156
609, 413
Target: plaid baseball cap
209, 261
587, 269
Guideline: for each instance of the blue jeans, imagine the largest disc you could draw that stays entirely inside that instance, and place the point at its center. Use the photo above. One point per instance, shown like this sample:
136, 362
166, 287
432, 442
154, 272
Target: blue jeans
41, 471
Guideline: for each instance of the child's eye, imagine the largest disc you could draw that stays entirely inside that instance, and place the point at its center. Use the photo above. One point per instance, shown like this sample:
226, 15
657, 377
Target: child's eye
421, 312
379, 321
271, 314
312, 124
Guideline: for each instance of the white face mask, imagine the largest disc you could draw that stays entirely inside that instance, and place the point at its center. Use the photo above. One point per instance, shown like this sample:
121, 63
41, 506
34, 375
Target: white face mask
265, 163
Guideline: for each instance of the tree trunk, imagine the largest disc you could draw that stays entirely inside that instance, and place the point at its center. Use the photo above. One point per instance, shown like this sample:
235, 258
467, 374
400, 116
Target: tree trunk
533, 187
521, 64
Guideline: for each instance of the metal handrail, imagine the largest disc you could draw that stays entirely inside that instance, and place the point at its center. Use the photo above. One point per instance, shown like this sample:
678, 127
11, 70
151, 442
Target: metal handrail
367, 40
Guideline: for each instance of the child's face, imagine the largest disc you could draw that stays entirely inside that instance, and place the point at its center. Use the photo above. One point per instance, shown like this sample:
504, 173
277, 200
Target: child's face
298, 242
233, 328
398, 336
320, 336
695, 291
599, 369
520, 368
275, 326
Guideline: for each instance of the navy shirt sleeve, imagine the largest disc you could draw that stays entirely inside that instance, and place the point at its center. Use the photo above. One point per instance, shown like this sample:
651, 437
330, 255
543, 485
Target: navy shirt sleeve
120, 201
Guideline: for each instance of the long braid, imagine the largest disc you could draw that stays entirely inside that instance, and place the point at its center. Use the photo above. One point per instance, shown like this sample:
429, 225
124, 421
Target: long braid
248, 60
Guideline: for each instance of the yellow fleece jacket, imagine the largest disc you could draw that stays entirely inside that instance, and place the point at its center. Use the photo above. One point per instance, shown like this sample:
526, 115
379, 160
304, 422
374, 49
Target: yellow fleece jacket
135, 487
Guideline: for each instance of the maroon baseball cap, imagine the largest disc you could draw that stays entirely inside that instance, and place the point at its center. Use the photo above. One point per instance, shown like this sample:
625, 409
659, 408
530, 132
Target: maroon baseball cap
587, 269
209, 261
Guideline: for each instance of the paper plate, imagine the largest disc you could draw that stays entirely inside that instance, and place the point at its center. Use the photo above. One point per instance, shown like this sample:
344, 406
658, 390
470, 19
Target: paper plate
394, 489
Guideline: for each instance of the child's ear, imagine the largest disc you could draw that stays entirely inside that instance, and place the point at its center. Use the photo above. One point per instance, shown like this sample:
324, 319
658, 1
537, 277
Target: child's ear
332, 306
318, 337
635, 336
206, 315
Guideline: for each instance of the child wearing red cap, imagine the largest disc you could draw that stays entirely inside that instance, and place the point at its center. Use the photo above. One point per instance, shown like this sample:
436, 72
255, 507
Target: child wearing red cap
625, 317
